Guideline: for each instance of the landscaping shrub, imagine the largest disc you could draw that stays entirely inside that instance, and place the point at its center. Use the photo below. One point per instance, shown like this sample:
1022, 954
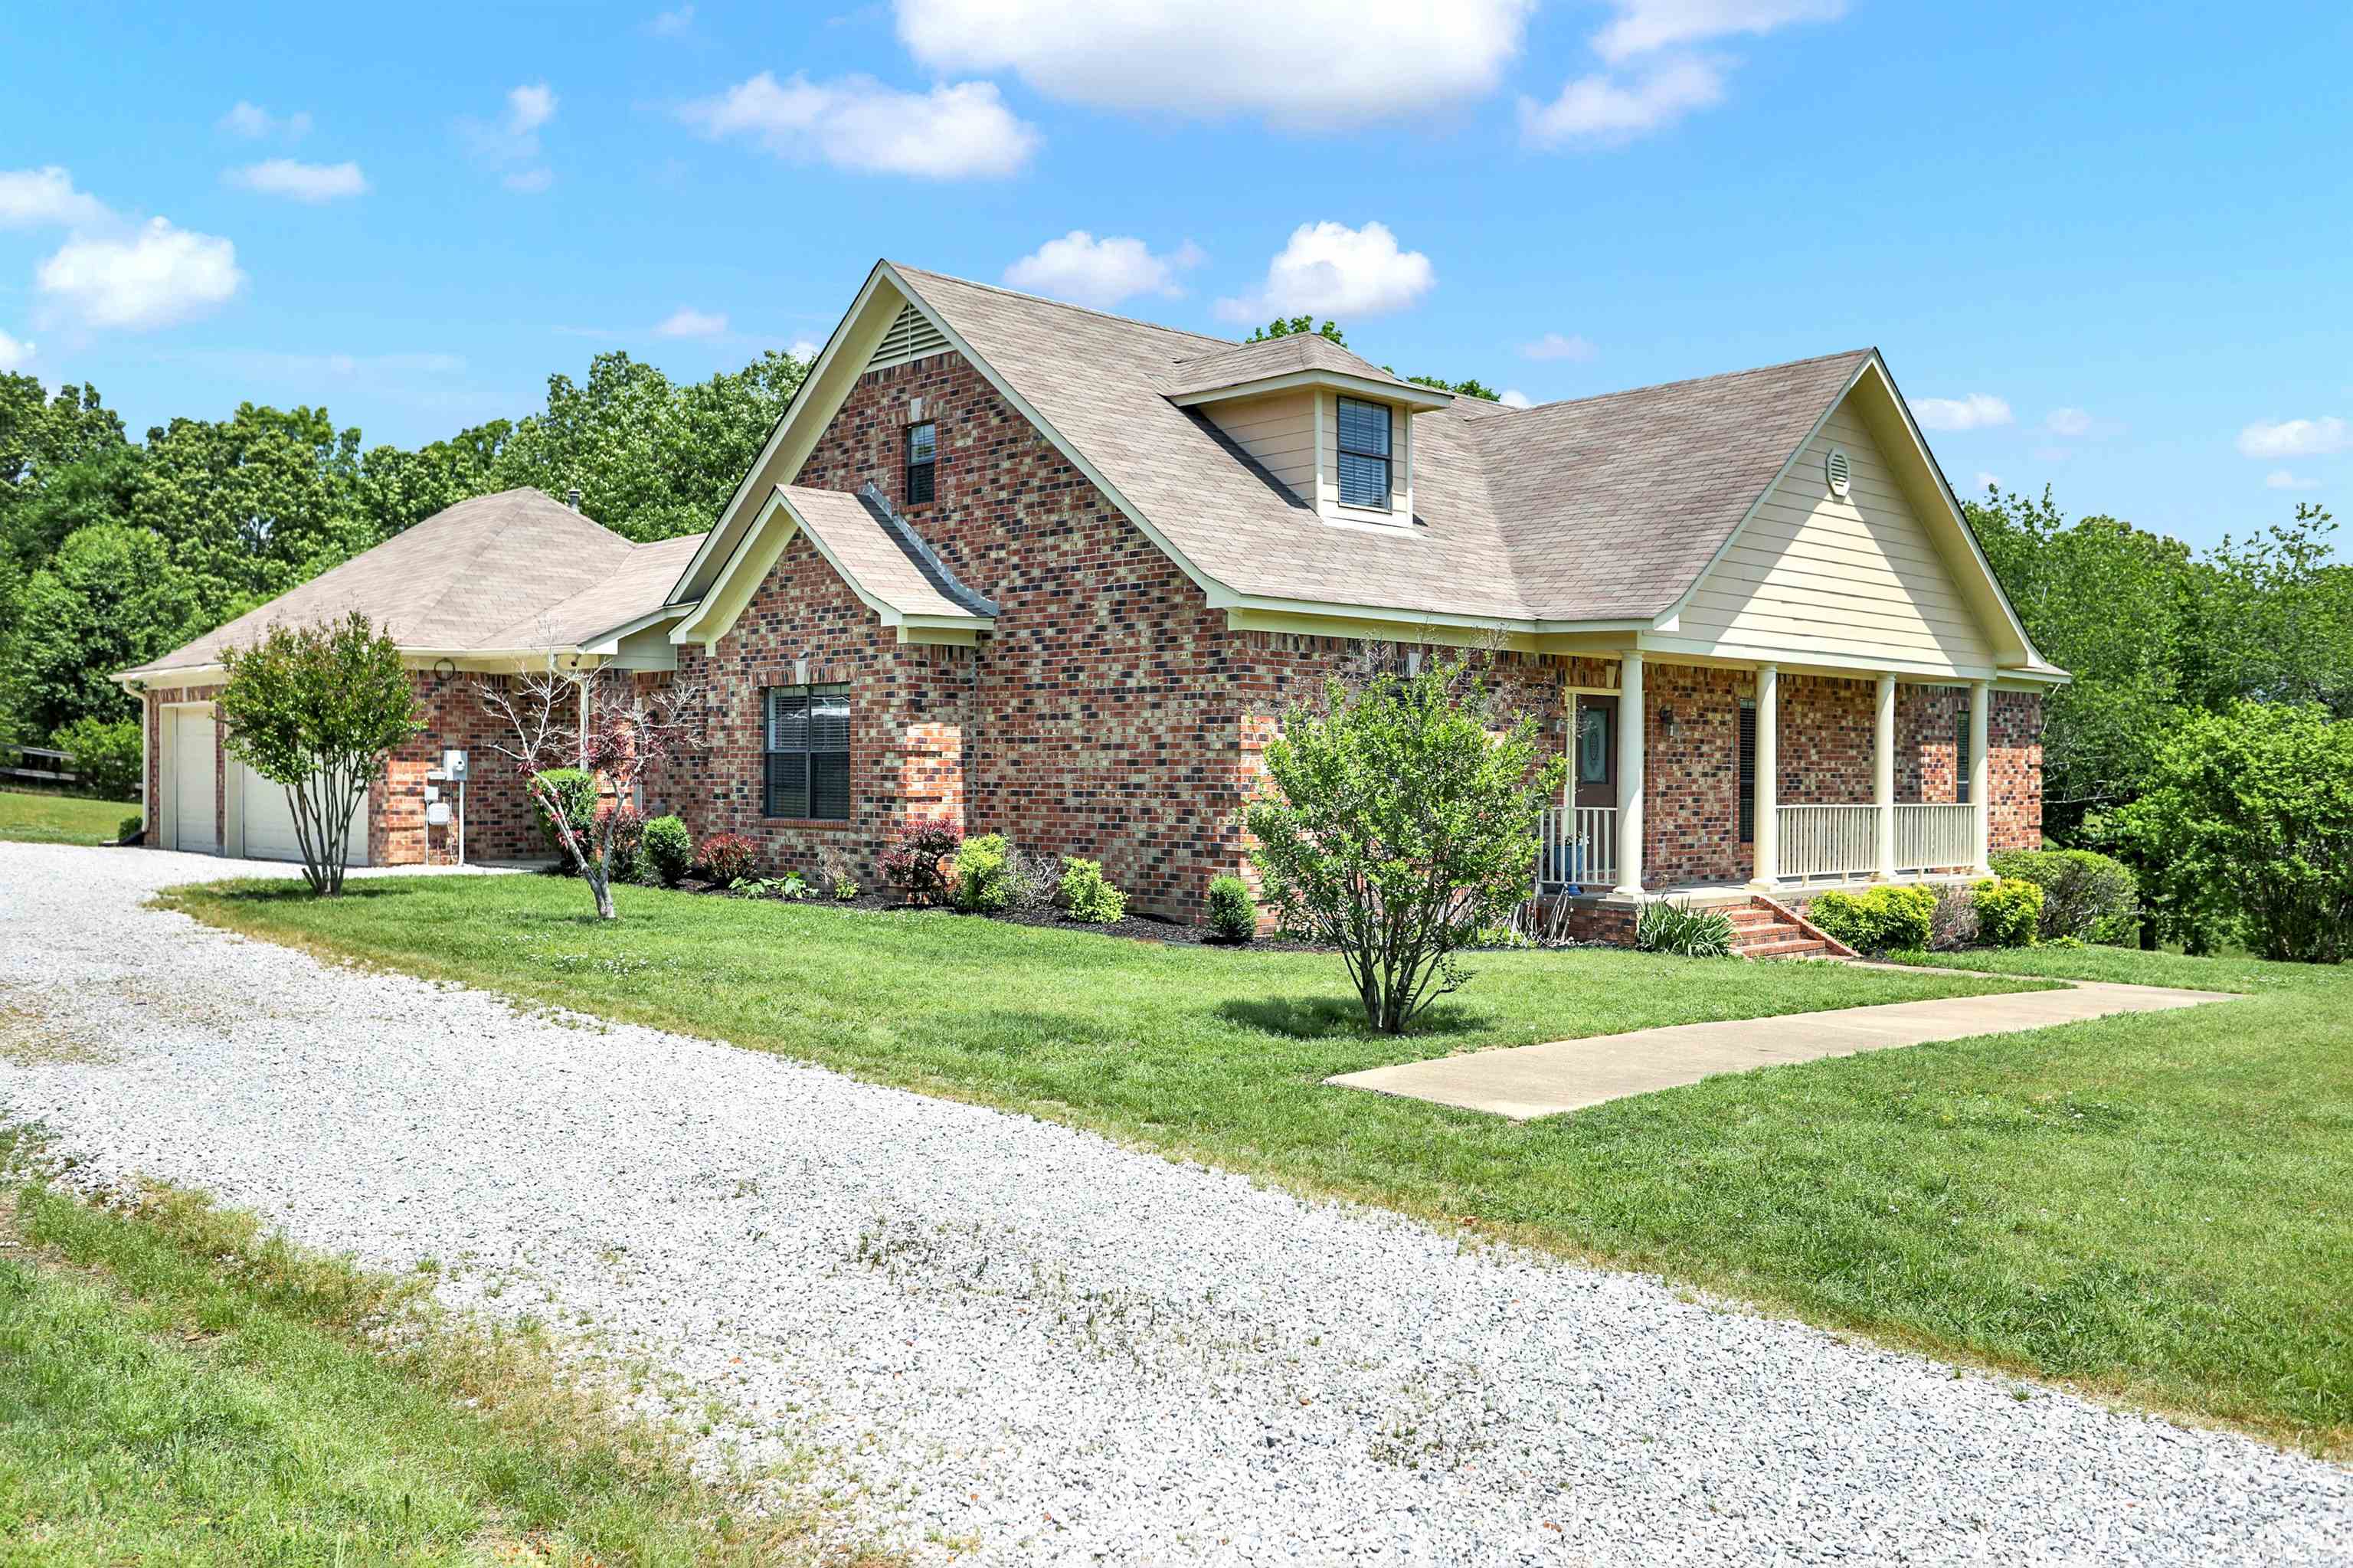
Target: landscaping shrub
1896, 919
1683, 931
628, 826
1954, 924
833, 869
1034, 877
2085, 895
668, 849
1087, 896
916, 863
1233, 912
2008, 911
105, 755
579, 790
728, 858
129, 826
792, 887
983, 883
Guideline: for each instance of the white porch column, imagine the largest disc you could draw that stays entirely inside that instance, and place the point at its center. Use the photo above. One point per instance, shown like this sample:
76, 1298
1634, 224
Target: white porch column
1882, 777
1767, 830
1630, 720
1982, 771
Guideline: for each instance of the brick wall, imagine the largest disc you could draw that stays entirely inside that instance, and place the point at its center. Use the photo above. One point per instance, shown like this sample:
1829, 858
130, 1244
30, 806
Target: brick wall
2014, 746
1691, 774
499, 821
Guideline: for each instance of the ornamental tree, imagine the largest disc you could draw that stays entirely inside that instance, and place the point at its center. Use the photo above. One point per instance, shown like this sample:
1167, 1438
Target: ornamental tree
316, 710
602, 723
1394, 825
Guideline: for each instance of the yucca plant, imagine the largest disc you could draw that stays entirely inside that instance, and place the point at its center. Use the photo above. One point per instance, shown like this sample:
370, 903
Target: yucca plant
1682, 931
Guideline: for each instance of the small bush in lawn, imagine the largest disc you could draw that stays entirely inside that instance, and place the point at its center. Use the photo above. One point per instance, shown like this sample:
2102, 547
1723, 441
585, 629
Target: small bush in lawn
833, 869
129, 826
1954, 925
728, 858
983, 886
1233, 912
2085, 895
917, 863
578, 790
628, 839
2009, 911
1896, 919
1033, 877
668, 849
1087, 896
1683, 931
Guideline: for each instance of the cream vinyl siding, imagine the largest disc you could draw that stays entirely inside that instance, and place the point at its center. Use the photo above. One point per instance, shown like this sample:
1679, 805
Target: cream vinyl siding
1856, 576
1279, 430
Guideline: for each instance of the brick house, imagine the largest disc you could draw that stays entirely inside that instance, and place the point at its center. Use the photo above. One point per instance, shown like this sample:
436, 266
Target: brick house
1059, 574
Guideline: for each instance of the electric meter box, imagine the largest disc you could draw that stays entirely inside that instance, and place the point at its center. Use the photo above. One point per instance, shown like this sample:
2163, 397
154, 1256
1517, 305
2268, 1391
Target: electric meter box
453, 764
437, 814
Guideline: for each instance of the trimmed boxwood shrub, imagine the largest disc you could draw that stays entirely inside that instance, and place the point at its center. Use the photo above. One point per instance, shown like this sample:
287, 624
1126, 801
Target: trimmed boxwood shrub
2008, 911
669, 848
984, 885
1087, 896
579, 791
1896, 919
2085, 895
1233, 912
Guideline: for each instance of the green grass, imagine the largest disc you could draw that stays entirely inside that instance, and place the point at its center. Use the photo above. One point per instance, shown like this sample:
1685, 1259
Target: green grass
2148, 1206
174, 1389
37, 819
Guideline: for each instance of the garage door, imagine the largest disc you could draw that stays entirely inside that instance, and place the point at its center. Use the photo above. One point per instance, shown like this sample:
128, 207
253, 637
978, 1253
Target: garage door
189, 763
270, 822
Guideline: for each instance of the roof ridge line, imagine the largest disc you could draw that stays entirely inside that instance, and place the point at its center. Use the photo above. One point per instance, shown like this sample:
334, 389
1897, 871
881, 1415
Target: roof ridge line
1066, 305
1689, 380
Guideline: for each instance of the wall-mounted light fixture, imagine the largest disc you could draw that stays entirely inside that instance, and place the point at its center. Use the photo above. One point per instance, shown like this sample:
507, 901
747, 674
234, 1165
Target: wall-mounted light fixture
1667, 720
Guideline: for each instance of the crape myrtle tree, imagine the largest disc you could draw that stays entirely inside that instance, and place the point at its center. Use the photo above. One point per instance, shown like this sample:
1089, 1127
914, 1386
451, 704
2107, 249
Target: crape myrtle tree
316, 710
604, 723
1396, 825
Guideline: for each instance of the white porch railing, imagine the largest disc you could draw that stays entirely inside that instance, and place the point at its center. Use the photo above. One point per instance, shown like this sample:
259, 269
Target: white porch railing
1935, 838
1828, 841
1579, 847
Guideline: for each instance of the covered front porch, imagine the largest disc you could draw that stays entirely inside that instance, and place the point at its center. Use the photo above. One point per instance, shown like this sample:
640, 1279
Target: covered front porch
1696, 781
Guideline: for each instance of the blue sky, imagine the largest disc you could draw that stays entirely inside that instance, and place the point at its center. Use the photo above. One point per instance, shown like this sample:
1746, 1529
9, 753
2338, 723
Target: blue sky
2103, 247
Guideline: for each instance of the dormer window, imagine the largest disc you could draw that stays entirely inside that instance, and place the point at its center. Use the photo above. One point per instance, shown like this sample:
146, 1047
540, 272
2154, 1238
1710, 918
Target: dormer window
923, 460
1364, 454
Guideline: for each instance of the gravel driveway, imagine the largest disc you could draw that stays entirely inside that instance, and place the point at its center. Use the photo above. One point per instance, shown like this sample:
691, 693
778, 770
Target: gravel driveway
986, 1330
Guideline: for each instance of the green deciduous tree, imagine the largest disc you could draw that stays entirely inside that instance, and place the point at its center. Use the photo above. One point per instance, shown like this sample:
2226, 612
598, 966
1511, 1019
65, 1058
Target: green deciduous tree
1298, 326
316, 710
2250, 823
1396, 827
108, 599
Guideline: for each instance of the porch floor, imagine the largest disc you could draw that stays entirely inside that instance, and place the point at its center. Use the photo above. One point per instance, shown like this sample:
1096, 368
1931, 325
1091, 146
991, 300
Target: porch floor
1705, 893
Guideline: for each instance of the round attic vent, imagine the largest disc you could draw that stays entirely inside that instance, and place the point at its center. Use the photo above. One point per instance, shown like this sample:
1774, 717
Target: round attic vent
1841, 473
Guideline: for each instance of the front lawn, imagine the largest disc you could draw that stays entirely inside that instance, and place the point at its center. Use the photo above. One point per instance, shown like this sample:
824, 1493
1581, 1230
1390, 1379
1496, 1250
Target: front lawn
2149, 1205
31, 818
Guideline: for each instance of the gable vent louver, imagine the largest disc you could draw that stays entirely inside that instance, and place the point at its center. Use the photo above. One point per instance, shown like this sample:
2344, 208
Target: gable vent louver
1840, 471
911, 336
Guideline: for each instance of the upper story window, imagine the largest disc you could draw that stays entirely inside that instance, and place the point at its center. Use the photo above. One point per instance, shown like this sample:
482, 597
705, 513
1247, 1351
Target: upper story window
923, 460
1364, 454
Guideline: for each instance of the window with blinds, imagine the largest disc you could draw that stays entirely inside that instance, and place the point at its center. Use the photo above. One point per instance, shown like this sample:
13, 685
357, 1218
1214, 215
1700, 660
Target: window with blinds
1364, 454
807, 757
1747, 773
922, 461
1961, 758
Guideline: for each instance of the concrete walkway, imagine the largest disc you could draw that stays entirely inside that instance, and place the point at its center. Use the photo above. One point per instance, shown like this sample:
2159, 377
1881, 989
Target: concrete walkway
1527, 1081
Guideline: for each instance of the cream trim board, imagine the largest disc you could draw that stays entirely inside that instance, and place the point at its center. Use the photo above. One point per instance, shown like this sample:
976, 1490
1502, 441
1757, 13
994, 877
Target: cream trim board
1420, 397
1694, 651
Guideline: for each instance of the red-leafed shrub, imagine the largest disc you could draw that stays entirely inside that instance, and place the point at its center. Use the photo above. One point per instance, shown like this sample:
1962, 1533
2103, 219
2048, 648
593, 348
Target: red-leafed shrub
917, 863
727, 857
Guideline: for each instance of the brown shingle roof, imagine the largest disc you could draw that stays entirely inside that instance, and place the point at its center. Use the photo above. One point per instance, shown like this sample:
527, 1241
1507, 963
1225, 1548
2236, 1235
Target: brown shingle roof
882, 555
1601, 509
515, 569
1275, 357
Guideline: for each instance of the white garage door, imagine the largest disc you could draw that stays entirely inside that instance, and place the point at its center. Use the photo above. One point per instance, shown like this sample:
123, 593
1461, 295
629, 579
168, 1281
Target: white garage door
188, 763
270, 822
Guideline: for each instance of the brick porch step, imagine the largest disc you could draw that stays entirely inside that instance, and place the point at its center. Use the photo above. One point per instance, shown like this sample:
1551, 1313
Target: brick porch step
1791, 946
1761, 931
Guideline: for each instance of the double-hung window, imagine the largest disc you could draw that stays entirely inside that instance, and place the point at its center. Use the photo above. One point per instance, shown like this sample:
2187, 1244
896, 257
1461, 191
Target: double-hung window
1364, 454
922, 461
807, 753
1962, 761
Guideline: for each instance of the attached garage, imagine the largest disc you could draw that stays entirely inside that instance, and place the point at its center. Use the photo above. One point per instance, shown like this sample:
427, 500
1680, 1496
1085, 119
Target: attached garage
264, 819
191, 781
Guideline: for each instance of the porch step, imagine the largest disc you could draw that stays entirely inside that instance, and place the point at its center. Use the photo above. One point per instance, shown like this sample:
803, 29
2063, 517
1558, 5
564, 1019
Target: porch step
1761, 931
1793, 945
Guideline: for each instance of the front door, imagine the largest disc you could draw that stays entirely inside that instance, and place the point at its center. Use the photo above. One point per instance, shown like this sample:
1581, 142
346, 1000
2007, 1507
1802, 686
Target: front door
1593, 759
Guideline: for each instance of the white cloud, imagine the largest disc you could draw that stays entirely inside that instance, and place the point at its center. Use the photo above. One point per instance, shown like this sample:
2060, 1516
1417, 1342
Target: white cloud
2295, 437
1332, 270
1553, 345
670, 24
1605, 110
1297, 62
301, 181
2278, 479
857, 123
46, 198
156, 275
1978, 412
687, 322
1101, 272
513, 138
806, 348
1986, 481
529, 108
1643, 26
254, 123
13, 354
1515, 398
529, 182
2067, 422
